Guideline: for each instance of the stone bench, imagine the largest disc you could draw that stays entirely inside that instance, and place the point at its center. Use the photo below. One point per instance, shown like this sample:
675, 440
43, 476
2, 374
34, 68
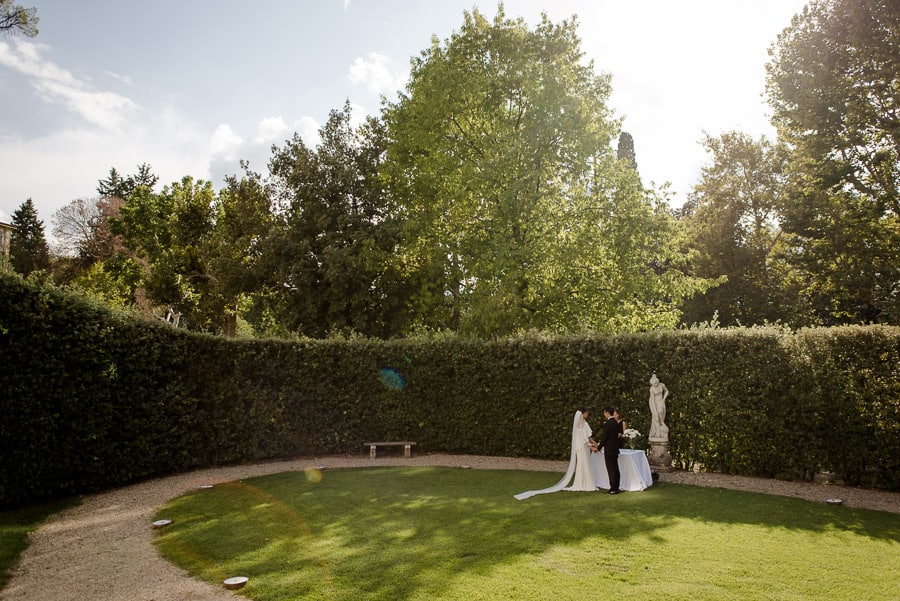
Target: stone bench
407, 447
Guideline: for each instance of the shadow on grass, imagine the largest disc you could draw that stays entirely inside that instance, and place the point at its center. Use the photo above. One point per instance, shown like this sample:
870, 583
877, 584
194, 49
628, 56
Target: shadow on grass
393, 533
15, 525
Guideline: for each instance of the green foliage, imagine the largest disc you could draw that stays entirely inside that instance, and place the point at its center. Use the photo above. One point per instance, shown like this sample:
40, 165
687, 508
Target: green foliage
329, 252
16, 19
854, 394
516, 214
847, 250
832, 85
115, 186
168, 231
234, 247
114, 281
451, 534
28, 250
625, 150
94, 399
732, 228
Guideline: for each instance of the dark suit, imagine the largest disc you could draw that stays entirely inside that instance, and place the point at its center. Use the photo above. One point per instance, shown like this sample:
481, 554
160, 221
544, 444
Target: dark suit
609, 440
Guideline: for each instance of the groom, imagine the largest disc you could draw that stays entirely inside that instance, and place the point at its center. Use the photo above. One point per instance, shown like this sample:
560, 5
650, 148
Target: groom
609, 440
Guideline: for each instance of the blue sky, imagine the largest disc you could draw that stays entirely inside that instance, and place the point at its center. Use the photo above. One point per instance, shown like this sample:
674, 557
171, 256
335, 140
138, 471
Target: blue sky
194, 86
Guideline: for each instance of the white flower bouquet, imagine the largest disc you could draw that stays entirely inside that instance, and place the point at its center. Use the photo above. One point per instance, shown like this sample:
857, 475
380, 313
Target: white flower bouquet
631, 435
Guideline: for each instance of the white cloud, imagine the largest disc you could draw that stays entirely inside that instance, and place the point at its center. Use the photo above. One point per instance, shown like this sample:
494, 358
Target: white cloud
123, 78
25, 57
79, 157
377, 72
270, 129
104, 109
56, 85
308, 129
225, 143
108, 130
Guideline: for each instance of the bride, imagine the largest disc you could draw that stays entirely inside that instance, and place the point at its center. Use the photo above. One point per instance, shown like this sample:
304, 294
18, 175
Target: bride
579, 461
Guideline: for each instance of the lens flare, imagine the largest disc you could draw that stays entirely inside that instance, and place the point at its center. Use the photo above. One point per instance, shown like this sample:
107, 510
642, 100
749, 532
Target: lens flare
391, 378
313, 475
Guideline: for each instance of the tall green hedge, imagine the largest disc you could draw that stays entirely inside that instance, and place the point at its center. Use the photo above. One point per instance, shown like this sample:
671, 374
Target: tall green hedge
91, 399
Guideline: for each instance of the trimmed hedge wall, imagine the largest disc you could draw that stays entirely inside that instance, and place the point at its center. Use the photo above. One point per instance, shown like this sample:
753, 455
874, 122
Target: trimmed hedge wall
92, 399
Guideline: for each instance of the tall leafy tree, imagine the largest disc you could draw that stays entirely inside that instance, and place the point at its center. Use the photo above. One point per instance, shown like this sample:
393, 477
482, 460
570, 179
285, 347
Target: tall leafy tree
17, 19
516, 213
732, 221
101, 243
28, 250
167, 232
329, 254
832, 85
103, 265
234, 249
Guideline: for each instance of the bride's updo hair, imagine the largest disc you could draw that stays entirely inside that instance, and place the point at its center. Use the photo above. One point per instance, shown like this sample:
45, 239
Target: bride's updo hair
583, 410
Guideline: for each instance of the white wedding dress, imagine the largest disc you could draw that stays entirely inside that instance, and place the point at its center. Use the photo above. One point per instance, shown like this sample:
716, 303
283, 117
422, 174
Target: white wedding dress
579, 463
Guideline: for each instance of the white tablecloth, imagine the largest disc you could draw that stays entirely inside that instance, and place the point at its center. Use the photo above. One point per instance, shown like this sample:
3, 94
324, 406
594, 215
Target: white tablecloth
633, 466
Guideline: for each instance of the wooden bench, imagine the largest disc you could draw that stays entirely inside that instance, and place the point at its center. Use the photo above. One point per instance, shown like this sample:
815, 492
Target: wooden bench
407, 447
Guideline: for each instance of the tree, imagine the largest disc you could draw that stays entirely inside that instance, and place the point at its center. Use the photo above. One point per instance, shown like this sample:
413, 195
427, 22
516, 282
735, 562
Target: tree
98, 261
72, 224
234, 250
115, 186
329, 254
516, 213
28, 251
848, 252
81, 228
167, 233
15, 18
832, 85
732, 225
625, 150
143, 177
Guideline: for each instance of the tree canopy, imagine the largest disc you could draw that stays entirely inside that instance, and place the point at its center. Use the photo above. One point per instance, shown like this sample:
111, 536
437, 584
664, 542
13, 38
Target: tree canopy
16, 19
329, 249
732, 221
832, 85
497, 195
516, 213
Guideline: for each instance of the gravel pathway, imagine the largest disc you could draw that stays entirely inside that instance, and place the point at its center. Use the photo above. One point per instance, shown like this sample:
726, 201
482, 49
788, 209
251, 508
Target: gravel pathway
103, 548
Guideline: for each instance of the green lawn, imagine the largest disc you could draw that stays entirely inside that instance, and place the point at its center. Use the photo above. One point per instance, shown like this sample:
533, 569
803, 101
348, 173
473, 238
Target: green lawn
442, 533
14, 529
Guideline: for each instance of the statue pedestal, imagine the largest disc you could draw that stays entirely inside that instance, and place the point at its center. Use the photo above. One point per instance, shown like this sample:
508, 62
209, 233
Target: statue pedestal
659, 458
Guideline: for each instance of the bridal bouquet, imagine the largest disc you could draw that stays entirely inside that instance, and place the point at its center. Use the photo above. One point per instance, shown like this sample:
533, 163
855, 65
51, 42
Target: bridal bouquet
631, 435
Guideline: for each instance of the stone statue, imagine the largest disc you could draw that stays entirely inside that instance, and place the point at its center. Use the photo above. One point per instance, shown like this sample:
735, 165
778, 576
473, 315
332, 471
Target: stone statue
658, 395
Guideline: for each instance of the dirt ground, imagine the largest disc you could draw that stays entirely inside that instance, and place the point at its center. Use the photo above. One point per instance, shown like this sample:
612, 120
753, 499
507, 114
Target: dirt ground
102, 549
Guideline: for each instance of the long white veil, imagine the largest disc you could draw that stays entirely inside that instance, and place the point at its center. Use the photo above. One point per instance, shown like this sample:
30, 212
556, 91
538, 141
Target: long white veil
570, 471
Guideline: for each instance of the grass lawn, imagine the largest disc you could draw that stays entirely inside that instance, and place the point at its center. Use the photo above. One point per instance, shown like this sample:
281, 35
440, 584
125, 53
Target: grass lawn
452, 534
14, 529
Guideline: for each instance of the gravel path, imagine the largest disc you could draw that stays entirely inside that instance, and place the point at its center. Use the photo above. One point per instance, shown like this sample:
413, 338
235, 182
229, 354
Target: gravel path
103, 548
